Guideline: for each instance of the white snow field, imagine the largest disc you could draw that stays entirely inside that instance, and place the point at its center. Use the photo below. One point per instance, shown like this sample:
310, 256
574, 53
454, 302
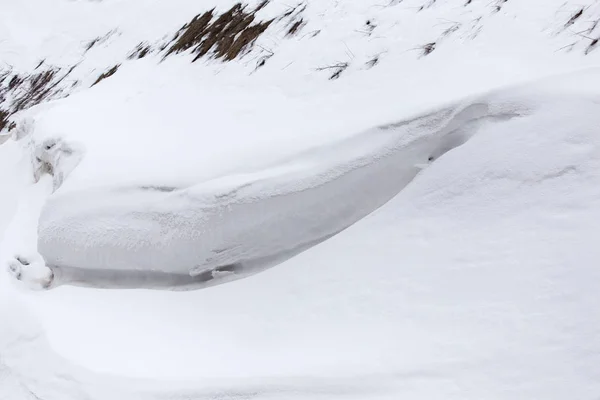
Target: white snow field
422, 226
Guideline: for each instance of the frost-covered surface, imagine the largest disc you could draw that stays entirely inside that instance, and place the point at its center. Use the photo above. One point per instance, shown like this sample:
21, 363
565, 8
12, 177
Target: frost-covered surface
476, 281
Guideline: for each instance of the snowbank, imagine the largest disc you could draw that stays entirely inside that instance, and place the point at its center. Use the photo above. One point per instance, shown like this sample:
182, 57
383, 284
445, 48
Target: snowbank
476, 280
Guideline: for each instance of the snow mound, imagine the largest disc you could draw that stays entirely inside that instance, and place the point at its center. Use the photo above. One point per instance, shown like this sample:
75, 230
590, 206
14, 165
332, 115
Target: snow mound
142, 236
477, 279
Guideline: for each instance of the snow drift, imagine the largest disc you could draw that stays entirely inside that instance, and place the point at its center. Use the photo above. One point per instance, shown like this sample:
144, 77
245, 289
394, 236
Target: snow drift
479, 274
148, 236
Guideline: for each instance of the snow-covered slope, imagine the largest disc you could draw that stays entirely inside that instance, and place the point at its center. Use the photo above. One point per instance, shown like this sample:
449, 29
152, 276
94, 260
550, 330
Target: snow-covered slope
475, 281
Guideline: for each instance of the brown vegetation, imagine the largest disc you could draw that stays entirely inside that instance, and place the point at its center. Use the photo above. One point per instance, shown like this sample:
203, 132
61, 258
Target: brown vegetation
107, 74
25, 91
228, 36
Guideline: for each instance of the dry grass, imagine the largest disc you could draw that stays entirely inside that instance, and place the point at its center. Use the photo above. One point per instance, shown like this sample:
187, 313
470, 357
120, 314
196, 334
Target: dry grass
141, 51
574, 18
372, 62
262, 5
27, 91
338, 69
228, 36
15, 81
593, 44
106, 74
5, 121
296, 26
98, 40
428, 48
88, 46
35, 89
192, 33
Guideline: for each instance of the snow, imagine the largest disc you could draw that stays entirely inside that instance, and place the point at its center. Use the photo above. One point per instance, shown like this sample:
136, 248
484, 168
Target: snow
466, 264
249, 220
475, 280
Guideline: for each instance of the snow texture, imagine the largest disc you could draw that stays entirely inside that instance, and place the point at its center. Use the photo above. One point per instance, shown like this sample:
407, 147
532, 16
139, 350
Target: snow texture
155, 236
423, 224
